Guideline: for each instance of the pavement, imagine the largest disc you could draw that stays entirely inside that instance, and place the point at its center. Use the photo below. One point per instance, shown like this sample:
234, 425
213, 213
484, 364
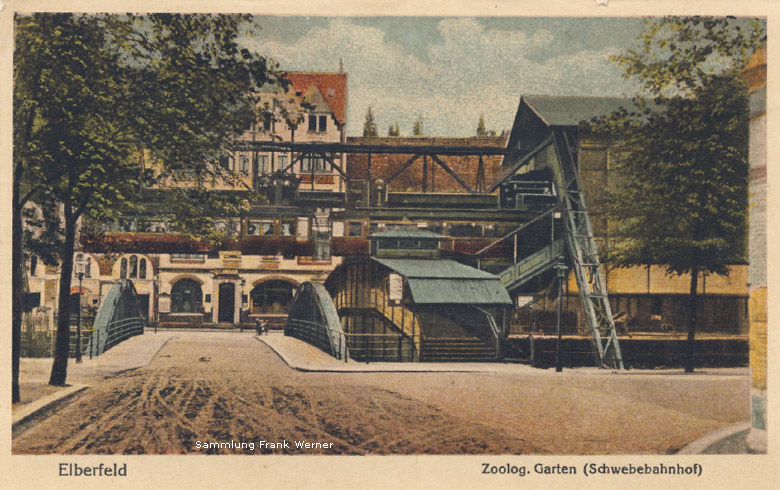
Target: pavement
139, 351
133, 353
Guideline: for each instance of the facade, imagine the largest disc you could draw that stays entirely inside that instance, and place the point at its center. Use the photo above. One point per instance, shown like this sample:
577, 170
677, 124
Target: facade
755, 76
270, 250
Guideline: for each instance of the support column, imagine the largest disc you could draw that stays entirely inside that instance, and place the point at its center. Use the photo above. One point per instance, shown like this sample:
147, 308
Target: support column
755, 76
425, 174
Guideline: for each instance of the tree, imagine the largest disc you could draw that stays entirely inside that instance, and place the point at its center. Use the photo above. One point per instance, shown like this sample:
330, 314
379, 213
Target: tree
481, 131
393, 130
93, 95
417, 128
682, 160
369, 126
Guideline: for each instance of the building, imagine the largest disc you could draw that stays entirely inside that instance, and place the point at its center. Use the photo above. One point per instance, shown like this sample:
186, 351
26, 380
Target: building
644, 298
271, 249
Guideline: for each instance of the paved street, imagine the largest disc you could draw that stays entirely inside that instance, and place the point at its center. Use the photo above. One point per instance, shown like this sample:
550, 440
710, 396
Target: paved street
226, 386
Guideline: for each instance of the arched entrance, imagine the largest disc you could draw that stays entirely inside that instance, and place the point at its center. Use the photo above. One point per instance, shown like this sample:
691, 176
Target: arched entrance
272, 297
227, 302
186, 297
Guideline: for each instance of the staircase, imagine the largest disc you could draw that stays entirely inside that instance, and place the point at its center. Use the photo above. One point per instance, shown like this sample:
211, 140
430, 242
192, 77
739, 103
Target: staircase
457, 350
582, 252
531, 266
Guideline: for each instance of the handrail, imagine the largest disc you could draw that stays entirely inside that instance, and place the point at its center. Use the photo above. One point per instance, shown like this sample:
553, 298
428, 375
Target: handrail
515, 231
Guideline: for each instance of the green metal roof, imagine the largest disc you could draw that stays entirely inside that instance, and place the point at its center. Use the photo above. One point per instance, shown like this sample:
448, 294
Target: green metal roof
561, 110
458, 291
442, 281
434, 269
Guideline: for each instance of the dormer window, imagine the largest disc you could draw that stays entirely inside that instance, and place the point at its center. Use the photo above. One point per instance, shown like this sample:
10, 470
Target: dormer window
331, 92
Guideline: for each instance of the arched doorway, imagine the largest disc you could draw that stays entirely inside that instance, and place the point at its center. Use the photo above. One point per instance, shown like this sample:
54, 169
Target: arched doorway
227, 302
272, 297
186, 297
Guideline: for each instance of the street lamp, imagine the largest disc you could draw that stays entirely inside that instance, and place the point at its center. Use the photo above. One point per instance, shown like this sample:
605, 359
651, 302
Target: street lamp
561, 270
80, 267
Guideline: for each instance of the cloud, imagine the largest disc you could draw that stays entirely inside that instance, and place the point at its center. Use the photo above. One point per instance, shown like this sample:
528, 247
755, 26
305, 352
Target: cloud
469, 70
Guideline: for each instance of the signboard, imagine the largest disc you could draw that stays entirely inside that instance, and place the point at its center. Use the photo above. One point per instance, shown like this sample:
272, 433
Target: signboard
230, 259
395, 287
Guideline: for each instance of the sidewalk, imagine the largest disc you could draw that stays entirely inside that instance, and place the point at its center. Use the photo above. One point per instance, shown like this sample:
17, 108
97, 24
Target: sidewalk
302, 356
38, 396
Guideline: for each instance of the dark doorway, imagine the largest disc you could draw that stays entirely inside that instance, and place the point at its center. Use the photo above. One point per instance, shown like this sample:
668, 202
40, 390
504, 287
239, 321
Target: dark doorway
143, 305
227, 302
73, 308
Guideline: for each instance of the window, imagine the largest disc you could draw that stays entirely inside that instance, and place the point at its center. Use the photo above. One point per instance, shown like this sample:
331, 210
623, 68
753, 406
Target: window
288, 227
267, 124
142, 269
243, 164
192, 257
186, 297
282, 161
126, 225
33, 265
355, 228
131, 267
313, 164
224, 162
331, 92
464, 230
312, 122
323, 123
82, 264
257, 228
262, 164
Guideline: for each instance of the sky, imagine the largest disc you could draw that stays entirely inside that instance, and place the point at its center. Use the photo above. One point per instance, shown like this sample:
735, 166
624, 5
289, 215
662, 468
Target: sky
449, 71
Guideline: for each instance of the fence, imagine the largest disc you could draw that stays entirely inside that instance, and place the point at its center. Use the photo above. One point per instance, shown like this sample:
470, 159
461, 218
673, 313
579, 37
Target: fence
39, 334
115, 333
118, 318
317, 335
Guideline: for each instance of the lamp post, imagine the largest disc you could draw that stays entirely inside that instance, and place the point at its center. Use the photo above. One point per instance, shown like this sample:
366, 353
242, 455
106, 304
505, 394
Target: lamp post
156, 300
561, 270
80, 265
241, 307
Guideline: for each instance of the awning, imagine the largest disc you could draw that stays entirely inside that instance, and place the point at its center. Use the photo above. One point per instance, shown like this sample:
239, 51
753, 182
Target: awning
442, 281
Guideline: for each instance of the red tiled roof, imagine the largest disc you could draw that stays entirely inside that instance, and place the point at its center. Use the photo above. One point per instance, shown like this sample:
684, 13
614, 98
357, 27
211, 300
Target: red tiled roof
326, 83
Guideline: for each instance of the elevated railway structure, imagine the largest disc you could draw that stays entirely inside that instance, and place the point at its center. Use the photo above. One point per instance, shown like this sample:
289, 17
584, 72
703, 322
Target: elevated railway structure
541, 204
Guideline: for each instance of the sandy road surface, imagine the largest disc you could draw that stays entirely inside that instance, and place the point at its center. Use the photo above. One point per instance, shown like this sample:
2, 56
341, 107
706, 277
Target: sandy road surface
218, 387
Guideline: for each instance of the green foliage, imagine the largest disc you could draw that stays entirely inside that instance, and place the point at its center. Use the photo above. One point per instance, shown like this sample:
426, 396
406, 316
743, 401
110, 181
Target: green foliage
676, 55
96, 98
682, 153
481, 131
682, 195
393, 130
103, 88
369, 126
417, 128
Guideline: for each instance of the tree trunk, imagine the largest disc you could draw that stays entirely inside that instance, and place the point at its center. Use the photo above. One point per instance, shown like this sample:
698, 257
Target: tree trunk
690, 344
17, 286
59, 370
